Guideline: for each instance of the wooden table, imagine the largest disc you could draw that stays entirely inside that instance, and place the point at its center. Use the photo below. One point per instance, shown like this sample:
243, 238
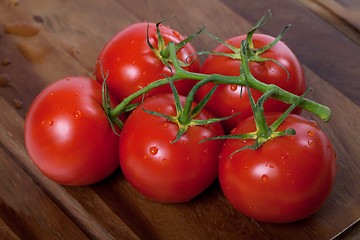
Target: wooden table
324, 35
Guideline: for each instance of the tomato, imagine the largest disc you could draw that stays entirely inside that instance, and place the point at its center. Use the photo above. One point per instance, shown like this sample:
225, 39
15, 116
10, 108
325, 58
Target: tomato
287, 179
164, 171
132, 65
226, 100
67, 134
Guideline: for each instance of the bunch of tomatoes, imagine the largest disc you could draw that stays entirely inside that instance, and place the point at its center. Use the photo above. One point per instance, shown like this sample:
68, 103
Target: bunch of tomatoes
162, 127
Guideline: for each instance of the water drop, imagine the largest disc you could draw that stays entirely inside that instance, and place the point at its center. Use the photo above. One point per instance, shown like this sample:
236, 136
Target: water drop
133, 62
13, 3
144, 73
310, 133
38, 19
77, 114
34, 49
21, 28
310, 142
284, 155
314, 124
133, 42
146, 157
271, 166
153, 150
4, 80
206, 150
228, 41
51, 122
233, 87
5, 62
233, 130
166, 124
18, 103
165, 160
264, 178
176, 33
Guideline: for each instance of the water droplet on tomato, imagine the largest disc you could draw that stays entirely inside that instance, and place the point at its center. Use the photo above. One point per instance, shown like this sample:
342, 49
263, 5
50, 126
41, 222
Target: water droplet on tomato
310, 133
166, 124
165, 160
52, 94
310, 142
314, 124
133, 42
51, 122
233, 87
206, 150
77, 114
146, 157
153, 150
284, 155
228, 41
287, 174
271, 166
144, 73
264, 178
233, 130
176, 33
133, 62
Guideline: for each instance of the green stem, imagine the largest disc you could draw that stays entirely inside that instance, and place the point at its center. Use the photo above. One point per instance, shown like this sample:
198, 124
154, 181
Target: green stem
320, 110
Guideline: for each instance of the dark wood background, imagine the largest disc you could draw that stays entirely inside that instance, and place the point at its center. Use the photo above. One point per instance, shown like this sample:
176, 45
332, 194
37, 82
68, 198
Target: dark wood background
65, 39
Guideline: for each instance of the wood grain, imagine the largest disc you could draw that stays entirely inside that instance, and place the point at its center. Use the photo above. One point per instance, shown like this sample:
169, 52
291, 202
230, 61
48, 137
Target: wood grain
69, 38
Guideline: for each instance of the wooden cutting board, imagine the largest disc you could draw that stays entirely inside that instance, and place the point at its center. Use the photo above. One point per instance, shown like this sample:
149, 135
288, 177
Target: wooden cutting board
63, 38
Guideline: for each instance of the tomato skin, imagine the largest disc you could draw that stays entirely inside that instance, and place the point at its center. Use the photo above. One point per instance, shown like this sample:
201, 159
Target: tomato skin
67, 134
163, 171
287, 179
132, 65
226, 100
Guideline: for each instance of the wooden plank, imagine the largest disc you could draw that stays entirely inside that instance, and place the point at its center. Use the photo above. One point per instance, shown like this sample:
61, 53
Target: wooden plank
337, 19
27, 210
345, 9
75, 32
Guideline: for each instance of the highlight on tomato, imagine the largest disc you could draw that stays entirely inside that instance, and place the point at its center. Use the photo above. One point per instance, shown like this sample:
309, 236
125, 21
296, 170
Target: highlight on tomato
68, 135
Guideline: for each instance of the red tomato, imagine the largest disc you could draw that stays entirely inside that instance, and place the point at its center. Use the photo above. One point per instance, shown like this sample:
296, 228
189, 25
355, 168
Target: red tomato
287, 179
226, 100
67, 134
132, 65
164, 171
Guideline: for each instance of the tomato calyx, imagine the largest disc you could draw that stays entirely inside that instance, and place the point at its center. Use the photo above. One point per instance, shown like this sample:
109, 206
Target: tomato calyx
162, 51
185, 115
263, 132
253, 54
